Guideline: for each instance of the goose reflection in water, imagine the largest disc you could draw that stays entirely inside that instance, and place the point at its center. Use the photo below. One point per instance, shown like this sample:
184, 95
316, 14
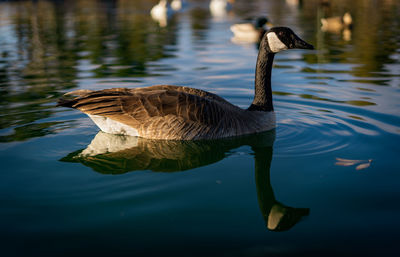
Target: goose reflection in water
113, 154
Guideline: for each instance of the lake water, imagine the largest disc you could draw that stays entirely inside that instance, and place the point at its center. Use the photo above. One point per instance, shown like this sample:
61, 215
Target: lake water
279, 193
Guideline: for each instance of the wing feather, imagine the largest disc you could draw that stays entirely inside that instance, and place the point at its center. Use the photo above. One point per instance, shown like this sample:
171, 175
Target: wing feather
163, 111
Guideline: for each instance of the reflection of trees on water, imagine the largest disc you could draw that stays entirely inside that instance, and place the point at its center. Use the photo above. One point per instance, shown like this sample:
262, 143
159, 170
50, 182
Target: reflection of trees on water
48, 43
38, 63
112, 154
199, 24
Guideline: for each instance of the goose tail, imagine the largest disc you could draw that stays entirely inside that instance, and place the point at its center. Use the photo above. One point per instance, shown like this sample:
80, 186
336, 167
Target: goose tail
67, 101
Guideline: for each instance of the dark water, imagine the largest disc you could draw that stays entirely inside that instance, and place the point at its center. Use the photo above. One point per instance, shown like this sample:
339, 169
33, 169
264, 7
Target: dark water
280, 193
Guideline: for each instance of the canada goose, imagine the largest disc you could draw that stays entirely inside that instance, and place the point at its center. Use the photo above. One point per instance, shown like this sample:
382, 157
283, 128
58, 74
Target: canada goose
251, 32
178, 5
335, 24
184, 113
161, 12
219, 8
294, 3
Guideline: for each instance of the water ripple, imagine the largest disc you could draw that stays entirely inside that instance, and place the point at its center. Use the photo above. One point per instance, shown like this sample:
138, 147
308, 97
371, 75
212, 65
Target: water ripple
309, 128
306, 136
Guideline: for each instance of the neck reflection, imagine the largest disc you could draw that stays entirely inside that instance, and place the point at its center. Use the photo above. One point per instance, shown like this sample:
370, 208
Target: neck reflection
277, 216
112, 154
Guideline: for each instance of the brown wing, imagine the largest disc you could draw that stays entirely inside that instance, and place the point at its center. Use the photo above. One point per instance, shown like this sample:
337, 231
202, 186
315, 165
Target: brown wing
163, 112
188, 90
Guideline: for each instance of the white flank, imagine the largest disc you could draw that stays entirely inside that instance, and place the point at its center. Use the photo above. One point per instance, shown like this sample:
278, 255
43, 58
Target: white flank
275, 44
113, 127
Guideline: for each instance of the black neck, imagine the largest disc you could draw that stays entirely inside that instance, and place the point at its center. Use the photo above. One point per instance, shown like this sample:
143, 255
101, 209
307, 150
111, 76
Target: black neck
263, 92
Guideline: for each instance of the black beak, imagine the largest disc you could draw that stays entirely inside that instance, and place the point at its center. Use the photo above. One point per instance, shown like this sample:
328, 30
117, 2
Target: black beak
301, 44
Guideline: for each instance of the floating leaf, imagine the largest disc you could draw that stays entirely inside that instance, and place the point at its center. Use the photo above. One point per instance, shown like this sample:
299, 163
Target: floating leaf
363, 166
344, 163
347, 162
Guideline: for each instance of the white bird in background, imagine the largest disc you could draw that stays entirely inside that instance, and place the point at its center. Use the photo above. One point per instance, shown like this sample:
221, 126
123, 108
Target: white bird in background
250, 32
219, 8
161, 12
178, 5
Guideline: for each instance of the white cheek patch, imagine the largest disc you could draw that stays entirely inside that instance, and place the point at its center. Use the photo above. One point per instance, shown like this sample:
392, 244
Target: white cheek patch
275, 44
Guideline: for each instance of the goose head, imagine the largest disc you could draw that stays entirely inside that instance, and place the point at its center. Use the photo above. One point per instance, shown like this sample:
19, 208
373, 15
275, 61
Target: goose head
278, 39
275, 40
262, 22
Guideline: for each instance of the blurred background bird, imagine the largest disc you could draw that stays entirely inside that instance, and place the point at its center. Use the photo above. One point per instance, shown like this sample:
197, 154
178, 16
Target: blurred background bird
250, 32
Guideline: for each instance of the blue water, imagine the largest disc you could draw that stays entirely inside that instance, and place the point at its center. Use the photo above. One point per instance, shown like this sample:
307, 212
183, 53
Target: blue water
279, 193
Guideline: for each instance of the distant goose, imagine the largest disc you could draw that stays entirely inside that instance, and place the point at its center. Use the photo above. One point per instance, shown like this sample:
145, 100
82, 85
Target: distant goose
184, 113
337, 23
178, 5
219, 8
294, 3
161, 12
251, 32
